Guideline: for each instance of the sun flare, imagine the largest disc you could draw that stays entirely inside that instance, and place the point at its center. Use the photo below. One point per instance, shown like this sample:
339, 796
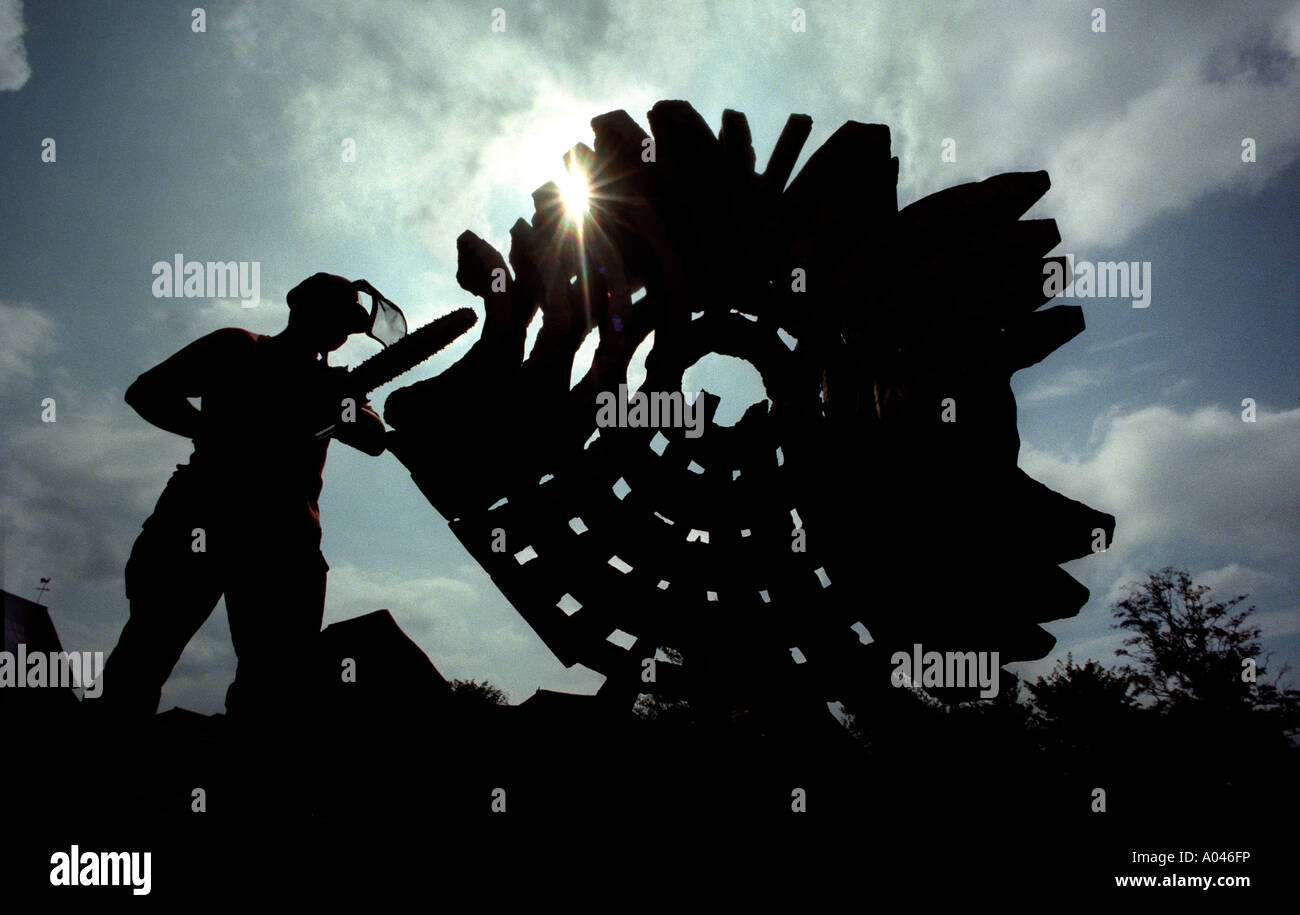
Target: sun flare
575, 193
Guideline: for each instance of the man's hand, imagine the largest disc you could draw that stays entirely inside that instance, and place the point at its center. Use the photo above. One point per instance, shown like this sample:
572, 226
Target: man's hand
350, 418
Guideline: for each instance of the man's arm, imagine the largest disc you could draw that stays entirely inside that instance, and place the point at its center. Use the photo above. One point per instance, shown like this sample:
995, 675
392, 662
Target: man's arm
159, 395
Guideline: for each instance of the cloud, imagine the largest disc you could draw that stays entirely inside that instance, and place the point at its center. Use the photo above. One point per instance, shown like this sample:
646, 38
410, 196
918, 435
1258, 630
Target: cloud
26, 336
1263, 590
1174, 387
1130, 123
73, 494
1277, 624
77, 489
454, 122
1126, 122
1063, 384
1260, 58
1234, 579
1177, 141
169, 328
448, 116
1203, 478
14, 70
1126, 340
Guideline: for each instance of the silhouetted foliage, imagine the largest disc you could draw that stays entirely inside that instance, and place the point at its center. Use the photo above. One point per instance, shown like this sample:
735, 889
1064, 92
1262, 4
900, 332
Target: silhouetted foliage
1085, 713
652, 708
471, 692
1197, 661
1186, 647
1074, 691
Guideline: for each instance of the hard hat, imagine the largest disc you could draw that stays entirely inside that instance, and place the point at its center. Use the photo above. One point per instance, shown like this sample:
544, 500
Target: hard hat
325, 295
339, 298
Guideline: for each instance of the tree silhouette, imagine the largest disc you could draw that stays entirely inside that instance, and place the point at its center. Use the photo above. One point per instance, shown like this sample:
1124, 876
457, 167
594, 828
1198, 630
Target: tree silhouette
1080, 691
471, 692
1197, 661
1186, 647
1086, 714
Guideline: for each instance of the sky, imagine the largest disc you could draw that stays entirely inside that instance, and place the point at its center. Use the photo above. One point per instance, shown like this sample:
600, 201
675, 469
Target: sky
226, 143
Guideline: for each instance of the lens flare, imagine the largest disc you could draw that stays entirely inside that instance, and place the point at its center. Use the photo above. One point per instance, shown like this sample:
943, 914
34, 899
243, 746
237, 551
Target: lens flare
575, 193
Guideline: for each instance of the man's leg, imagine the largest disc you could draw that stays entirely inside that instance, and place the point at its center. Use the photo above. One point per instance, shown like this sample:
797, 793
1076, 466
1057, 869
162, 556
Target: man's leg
172, 589
275, 602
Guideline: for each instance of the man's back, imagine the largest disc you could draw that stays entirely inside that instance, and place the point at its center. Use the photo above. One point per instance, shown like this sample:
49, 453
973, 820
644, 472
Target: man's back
255, 466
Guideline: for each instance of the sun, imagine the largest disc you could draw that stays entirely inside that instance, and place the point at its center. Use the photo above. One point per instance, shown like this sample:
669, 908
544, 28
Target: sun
575, 192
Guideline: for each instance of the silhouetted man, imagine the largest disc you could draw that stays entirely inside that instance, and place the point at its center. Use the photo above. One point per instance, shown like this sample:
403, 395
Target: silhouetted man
241, 519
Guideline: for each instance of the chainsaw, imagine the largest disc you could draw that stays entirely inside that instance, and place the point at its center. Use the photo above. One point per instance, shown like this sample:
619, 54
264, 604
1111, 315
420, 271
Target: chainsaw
406, 353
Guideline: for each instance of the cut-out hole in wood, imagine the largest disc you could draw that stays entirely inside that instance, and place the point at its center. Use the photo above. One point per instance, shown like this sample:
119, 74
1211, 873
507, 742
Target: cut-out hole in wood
530, 335
636, 367
624, 640
583, 358
739, 381
669, 656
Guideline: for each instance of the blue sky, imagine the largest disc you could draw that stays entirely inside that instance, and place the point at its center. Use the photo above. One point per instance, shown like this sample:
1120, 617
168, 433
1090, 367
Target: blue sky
225, 145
